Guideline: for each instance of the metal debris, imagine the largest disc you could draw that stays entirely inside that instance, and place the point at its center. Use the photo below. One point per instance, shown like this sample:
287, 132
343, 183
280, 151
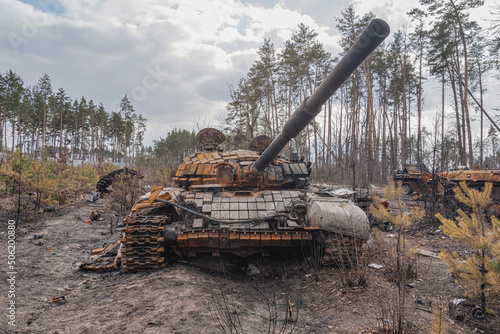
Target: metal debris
457, 301
59, 300
376, 266
427, 253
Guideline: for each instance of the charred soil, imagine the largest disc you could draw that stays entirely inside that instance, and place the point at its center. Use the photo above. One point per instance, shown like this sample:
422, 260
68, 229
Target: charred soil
209, 295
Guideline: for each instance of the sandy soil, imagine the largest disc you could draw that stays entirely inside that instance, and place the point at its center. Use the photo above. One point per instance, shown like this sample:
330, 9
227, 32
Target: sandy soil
205, 294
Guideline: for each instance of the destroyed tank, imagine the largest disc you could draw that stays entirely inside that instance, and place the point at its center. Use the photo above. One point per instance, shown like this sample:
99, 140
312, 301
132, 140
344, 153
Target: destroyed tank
418, 179
251, 201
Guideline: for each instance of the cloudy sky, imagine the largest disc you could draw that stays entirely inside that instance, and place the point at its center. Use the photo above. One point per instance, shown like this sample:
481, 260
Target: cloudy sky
174, 59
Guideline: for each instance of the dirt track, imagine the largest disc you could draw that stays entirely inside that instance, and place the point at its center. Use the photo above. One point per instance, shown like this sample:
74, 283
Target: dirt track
185, 298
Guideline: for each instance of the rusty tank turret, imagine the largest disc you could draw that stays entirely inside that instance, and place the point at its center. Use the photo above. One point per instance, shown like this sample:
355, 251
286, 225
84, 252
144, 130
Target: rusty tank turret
250, 201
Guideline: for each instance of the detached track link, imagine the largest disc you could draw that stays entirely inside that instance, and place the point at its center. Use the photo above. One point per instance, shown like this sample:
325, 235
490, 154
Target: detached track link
343, 251
143, 243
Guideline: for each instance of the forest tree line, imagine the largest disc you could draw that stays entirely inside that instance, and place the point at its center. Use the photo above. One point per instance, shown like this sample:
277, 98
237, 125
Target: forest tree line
374, 124
371, 126
42, 122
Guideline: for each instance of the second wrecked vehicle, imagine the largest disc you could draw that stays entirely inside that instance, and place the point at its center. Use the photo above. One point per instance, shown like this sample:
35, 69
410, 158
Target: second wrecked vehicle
419, 180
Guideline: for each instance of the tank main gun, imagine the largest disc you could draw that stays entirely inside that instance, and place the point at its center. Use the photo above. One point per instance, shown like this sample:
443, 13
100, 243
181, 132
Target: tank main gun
372, 37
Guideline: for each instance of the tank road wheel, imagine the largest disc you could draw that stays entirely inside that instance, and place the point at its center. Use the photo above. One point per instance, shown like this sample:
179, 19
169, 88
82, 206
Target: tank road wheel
343, 251
315, 251
407, 189
143, 243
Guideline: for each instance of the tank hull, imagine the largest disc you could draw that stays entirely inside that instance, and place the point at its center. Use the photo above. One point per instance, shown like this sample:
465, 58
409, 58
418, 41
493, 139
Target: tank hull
240, 223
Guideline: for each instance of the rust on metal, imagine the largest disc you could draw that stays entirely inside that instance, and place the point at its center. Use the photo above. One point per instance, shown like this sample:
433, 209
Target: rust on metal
210, 139
260, 143
419, 180
481, 175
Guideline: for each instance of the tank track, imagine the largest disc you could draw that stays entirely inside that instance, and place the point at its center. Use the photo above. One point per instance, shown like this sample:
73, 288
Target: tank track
107, 180
107, 259
143, 243
341, 250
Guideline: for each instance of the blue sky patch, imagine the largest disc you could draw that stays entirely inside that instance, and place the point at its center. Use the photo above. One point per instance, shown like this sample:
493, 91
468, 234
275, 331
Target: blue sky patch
48, 6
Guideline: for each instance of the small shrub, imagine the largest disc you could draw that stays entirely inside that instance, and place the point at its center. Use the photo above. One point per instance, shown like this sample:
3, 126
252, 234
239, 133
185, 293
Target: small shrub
478, 273
402, 218
126, 190
439, 323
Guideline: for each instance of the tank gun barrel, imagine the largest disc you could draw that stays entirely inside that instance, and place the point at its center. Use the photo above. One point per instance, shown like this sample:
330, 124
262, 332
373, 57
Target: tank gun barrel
373, 35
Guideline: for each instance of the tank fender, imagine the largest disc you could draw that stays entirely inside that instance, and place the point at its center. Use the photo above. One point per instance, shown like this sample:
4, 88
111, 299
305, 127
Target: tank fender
338, 215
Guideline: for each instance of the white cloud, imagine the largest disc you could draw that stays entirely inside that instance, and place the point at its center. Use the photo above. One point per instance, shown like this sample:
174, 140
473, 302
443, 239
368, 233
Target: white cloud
105, 49
173, 58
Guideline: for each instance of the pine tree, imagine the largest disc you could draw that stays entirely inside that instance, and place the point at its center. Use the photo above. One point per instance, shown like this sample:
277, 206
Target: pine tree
128, 117
480, 235
102, 120
11, 91
439, 322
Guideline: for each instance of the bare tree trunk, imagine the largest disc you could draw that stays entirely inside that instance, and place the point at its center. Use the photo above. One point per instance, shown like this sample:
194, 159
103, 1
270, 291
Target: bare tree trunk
33, 144
384, 129
275, 104
99, 155
325, 142
2, 118
442, 123
289, 104
395, 137
419, 108
13, 134
19, 138
340, 134
466, 83
481, 99
61, 129
43, 130
463, 153
369, 120
38, 134
82, 146
67, 130
4, 123
116, 143
329, 124
269, 116
457, 114
92, 137
76, 134
379, 117
354, 144
466, 135
404, 111
54, 131
410, 140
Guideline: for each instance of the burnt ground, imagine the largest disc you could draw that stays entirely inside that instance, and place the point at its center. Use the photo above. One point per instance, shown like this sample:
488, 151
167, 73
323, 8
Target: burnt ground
203, 295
